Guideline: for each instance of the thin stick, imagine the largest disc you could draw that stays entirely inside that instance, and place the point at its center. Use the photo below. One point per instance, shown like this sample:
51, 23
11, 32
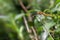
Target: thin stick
35, 34
28, 30
25, 21
22, 5
26, 24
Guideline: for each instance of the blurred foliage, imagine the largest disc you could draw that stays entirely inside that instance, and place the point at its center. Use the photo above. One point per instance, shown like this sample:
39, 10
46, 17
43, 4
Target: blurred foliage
12, 25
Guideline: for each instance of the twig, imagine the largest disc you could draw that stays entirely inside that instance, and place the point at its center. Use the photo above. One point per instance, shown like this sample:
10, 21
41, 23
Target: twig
25, 21
28, 30
34, 31
22, 5
26, 24
35, 34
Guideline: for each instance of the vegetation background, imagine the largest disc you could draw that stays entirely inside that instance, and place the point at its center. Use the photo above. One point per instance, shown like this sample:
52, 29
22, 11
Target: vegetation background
29, 19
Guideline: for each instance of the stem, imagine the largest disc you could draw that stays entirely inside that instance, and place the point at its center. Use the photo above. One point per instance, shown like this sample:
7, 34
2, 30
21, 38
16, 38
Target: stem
22, 5
25, 21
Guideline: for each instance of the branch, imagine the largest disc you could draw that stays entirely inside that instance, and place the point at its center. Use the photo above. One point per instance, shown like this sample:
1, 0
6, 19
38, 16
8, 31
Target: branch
26, 24
25, 21
28, 30
22, 5
35, 34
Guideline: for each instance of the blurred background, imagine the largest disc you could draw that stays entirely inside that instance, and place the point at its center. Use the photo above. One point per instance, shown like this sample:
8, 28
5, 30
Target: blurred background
29, 19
